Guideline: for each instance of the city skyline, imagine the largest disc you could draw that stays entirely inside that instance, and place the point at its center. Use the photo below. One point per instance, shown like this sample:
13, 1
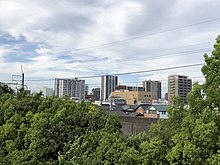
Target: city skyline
71, 39
16, 84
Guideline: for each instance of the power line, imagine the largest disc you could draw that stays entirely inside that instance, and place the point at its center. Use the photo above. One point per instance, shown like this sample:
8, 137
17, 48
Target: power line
159, 80
145, 71
160, 69
126, 73
145, 35
50, 79
128, 82
169, 49
158, 56
164, 55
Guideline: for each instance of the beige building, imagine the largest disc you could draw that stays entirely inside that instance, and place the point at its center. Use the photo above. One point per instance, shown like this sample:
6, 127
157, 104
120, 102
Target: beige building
133, 97
154, 87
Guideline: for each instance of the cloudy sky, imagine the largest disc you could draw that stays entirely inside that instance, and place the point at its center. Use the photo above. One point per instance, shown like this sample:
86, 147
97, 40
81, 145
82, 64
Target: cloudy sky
77, 38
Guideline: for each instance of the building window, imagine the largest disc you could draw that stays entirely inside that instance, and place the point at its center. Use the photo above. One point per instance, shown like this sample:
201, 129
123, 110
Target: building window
152, 112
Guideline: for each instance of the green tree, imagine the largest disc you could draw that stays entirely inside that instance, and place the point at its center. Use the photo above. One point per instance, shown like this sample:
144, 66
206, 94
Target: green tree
4, 89
211, 71
34, 130
153, 152
191, 134
100, 147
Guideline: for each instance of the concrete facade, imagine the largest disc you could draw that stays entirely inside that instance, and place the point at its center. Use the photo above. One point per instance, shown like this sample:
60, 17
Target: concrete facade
96, 93
179, 85
129, 88
133, 97
154, 87
135, 125
108, 85
70, 87
47, 91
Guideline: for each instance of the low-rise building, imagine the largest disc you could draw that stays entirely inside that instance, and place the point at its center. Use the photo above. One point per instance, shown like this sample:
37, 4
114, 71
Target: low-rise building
96, 94
47, 91
159, 109
133, 97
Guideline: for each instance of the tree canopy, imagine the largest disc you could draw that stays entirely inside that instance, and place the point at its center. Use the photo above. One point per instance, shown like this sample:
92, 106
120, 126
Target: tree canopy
34, 130
191, 134
5, 89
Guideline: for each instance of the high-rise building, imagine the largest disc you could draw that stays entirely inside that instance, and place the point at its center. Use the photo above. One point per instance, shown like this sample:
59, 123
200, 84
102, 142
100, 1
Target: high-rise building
70, 87
86, 89
96, 93
166, 96
179, 85
108, 85
154, 87
47, 91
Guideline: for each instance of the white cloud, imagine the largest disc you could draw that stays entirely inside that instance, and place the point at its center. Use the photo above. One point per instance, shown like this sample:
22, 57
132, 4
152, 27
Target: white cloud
49, 34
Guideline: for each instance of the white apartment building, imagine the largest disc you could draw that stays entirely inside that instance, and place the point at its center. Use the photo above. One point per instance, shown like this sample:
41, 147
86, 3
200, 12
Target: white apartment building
73, 88
108, 85
47, 91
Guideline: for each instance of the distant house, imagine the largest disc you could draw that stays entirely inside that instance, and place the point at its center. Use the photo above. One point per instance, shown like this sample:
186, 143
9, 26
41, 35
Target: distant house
129, 108
159, 110
145, 110
135, 114
151, 112
143, 107
132, 110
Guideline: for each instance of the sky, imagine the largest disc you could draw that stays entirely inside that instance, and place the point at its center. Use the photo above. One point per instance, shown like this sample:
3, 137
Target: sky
79, 38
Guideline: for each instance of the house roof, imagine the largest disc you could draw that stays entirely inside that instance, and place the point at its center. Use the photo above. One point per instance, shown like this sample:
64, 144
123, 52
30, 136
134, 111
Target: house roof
117, 110
135, 114
130, 108
122, 111
145, 106
160, 108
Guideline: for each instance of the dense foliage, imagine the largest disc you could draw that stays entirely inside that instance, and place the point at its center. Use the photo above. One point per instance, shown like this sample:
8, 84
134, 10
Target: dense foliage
192, 135
35, 130
5, 89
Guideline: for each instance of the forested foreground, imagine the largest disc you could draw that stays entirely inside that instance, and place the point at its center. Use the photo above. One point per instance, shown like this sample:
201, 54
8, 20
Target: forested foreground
37, 130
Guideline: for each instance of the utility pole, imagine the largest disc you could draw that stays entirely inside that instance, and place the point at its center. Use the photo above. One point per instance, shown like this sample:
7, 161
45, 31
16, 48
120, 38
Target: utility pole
18, 82
22, 79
